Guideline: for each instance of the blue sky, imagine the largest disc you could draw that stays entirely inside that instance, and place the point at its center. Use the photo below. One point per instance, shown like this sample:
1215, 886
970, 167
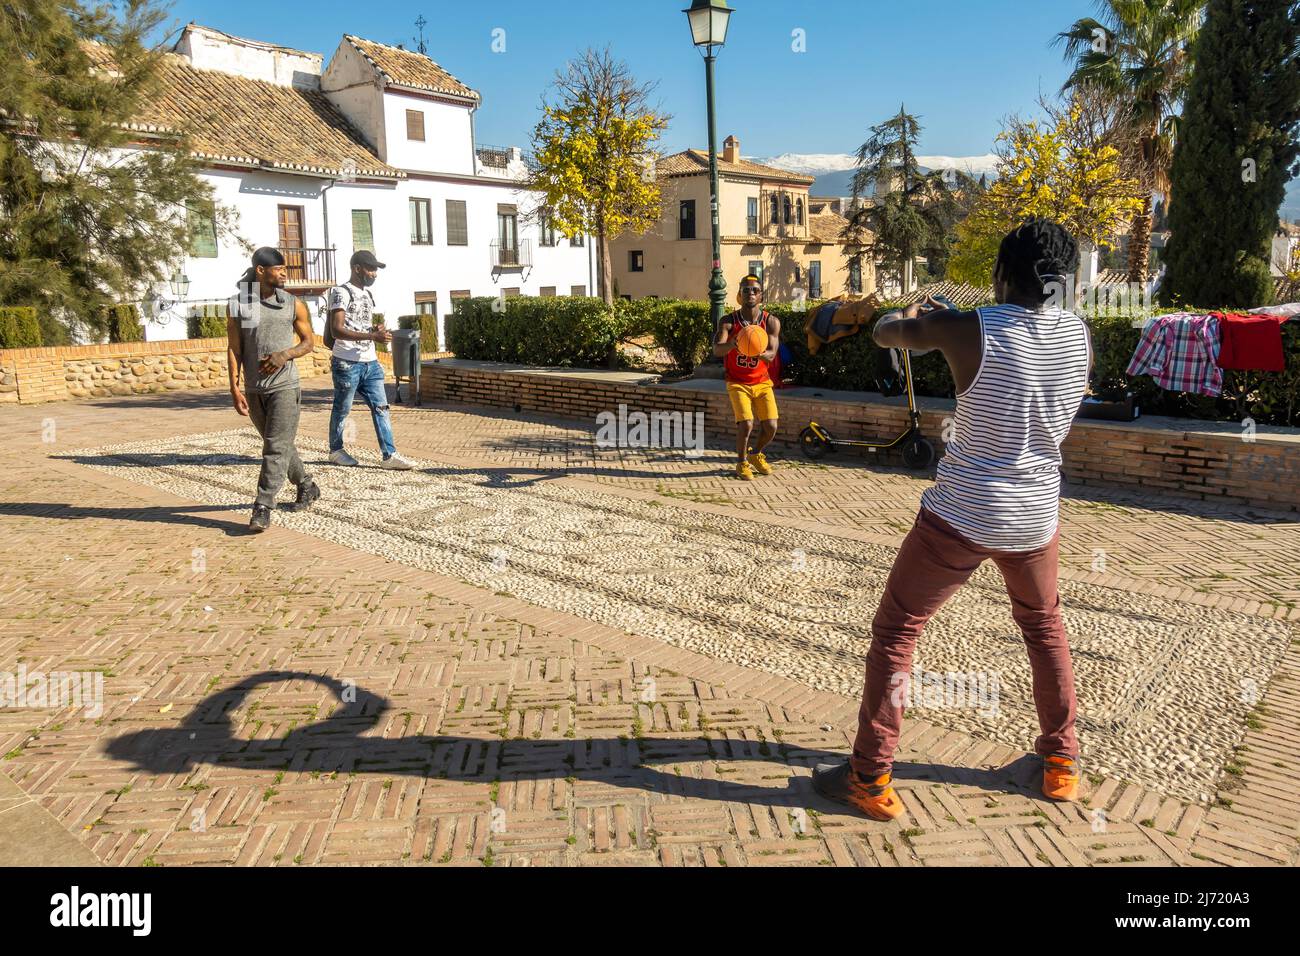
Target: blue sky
960, 64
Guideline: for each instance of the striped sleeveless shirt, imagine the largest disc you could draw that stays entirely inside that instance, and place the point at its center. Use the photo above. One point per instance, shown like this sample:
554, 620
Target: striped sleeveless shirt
999, 482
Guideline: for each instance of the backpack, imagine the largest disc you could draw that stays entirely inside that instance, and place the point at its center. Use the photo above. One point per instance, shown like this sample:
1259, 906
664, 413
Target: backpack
329, 325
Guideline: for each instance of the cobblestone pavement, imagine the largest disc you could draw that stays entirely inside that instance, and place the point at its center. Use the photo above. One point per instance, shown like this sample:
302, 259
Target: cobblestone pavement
291, 700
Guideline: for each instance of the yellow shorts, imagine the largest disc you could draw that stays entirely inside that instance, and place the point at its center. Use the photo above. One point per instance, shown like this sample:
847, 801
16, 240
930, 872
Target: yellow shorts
752, 402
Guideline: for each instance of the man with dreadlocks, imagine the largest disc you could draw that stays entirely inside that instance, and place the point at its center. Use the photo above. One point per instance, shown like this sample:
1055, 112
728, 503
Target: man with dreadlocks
1021, 370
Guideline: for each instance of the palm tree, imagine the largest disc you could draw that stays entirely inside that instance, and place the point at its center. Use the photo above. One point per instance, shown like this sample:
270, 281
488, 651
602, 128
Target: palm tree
1139, 51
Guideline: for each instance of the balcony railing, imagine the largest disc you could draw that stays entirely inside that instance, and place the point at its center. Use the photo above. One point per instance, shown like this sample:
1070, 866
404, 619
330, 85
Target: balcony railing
497, 157
516, 256
309, 266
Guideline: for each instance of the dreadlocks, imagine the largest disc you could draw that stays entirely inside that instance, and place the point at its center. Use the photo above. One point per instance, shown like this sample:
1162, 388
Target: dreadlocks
1037, 253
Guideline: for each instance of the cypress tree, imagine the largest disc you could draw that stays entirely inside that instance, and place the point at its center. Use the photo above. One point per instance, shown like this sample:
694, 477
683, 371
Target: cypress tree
1236, 151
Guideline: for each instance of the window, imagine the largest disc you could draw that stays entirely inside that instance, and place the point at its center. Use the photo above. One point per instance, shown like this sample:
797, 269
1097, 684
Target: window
855, 274
421, 222
510, 293
507, 235
636, 261
203, 230
457, 226
814, 279
751, 215
686, 220
578, 241
415, 125
426, 303
776, 209
548, 291
363, 231
547, 229
798, 212
579, 290
756, 268
786, 206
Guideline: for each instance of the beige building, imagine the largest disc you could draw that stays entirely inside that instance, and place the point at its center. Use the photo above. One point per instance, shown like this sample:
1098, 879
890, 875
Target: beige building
769, 223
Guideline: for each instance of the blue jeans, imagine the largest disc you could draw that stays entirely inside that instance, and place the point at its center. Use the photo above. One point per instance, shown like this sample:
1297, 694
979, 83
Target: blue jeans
367, 380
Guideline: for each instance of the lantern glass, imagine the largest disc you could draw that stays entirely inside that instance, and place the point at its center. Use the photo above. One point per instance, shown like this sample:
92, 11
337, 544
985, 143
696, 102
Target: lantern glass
709, 19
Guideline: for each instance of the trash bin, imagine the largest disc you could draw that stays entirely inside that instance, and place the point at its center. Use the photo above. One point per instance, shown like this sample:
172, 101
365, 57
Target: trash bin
406, 362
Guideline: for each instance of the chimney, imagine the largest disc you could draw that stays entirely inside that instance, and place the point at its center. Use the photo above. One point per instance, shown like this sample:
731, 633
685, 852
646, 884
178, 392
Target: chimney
731, 150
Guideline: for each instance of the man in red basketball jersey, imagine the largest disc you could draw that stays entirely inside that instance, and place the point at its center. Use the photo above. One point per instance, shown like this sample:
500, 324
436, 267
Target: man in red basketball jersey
748, 384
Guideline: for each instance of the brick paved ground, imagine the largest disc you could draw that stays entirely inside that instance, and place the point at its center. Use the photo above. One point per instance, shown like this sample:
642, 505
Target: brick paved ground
482, 729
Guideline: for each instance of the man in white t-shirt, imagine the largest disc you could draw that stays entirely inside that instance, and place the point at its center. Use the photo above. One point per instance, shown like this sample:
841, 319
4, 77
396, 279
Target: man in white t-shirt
349, 312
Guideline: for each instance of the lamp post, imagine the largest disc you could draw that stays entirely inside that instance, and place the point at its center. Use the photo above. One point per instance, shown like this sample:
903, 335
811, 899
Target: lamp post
709, 19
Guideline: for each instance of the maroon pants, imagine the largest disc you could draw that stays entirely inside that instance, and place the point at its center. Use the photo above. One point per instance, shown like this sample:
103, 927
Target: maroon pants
932, 564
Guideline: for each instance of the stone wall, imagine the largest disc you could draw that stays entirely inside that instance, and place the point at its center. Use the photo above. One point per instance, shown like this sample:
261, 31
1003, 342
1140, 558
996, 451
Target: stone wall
31, 376
1201, 460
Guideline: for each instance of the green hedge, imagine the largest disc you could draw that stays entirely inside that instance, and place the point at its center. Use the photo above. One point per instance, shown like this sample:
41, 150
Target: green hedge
428, 326
683, 329
582, 332
565, 331
20, 328
122, 323
206, 322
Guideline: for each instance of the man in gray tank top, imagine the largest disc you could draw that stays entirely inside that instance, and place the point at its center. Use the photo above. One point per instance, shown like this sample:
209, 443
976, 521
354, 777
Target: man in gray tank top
266, 329
1020, 370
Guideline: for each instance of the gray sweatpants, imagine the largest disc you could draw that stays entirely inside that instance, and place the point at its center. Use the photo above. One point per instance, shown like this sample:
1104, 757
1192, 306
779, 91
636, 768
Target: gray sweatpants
275, 416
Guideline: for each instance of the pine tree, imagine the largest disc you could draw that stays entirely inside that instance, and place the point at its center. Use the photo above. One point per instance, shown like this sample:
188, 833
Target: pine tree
88, 218
900, 212
1237, 150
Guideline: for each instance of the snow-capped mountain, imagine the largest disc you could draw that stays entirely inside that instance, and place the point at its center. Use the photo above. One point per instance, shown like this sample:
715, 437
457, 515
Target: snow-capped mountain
834, 171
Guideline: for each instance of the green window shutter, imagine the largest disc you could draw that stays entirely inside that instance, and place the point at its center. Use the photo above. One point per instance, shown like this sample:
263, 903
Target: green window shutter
363, 234
203, 230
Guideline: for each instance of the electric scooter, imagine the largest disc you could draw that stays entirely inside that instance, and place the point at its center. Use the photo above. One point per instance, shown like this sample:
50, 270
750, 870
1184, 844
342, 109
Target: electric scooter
917, 450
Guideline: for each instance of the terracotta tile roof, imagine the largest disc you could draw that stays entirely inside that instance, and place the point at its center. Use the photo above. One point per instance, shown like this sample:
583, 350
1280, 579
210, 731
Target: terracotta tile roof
958, 293
826, 227
690, 162
407, 68
251, 122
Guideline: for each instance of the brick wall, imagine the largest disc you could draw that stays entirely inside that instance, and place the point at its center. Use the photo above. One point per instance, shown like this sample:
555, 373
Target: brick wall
31, 376
1169, 455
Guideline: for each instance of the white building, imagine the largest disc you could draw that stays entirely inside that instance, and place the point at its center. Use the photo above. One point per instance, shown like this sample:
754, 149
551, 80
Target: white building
375, 150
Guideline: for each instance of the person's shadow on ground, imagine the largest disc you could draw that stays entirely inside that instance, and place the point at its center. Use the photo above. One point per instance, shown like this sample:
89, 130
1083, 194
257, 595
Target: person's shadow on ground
336, 744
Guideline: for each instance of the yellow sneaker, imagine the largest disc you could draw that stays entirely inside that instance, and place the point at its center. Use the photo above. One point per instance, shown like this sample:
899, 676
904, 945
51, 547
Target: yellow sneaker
760, 463
743, 471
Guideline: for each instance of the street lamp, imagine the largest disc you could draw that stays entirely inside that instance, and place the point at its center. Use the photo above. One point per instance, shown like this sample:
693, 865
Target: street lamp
179, 284
709, 19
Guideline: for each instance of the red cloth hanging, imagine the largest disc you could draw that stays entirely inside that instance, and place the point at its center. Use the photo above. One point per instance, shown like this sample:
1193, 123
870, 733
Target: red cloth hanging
1251, 343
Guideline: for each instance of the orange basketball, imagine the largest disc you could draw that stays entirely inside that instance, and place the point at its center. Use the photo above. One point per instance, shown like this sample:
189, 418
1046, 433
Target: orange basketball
752, 341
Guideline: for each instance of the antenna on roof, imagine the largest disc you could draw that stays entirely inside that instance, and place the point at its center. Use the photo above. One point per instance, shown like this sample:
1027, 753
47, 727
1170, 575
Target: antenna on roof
420, 45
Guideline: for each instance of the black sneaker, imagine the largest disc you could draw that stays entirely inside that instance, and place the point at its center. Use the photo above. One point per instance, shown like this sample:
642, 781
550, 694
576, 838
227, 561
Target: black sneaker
261, 519
306, 495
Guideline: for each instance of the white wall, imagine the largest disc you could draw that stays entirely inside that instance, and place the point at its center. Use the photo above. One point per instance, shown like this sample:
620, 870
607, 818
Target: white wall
448, 145
284, 67
437, 268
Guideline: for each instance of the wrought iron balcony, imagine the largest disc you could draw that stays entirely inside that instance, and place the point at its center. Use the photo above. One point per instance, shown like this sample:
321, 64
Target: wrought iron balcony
516, 256
309, 267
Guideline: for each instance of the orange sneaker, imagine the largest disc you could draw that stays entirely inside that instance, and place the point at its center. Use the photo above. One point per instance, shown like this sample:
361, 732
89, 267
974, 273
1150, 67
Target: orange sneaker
759, 461
876, 798
1060, 777
744, 472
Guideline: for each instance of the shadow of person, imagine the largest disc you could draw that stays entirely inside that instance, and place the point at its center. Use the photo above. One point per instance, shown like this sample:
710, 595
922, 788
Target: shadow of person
338, 744
182, 514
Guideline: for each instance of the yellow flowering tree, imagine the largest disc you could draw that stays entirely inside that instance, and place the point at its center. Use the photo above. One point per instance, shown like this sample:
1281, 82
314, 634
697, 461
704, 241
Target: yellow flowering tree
1060, 171
593, 155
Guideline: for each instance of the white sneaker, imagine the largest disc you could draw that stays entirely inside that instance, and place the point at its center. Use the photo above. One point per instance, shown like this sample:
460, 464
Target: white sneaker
341, 457
398, 463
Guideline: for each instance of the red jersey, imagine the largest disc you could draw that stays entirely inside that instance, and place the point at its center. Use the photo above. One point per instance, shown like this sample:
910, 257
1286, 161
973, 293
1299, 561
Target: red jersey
742, 369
